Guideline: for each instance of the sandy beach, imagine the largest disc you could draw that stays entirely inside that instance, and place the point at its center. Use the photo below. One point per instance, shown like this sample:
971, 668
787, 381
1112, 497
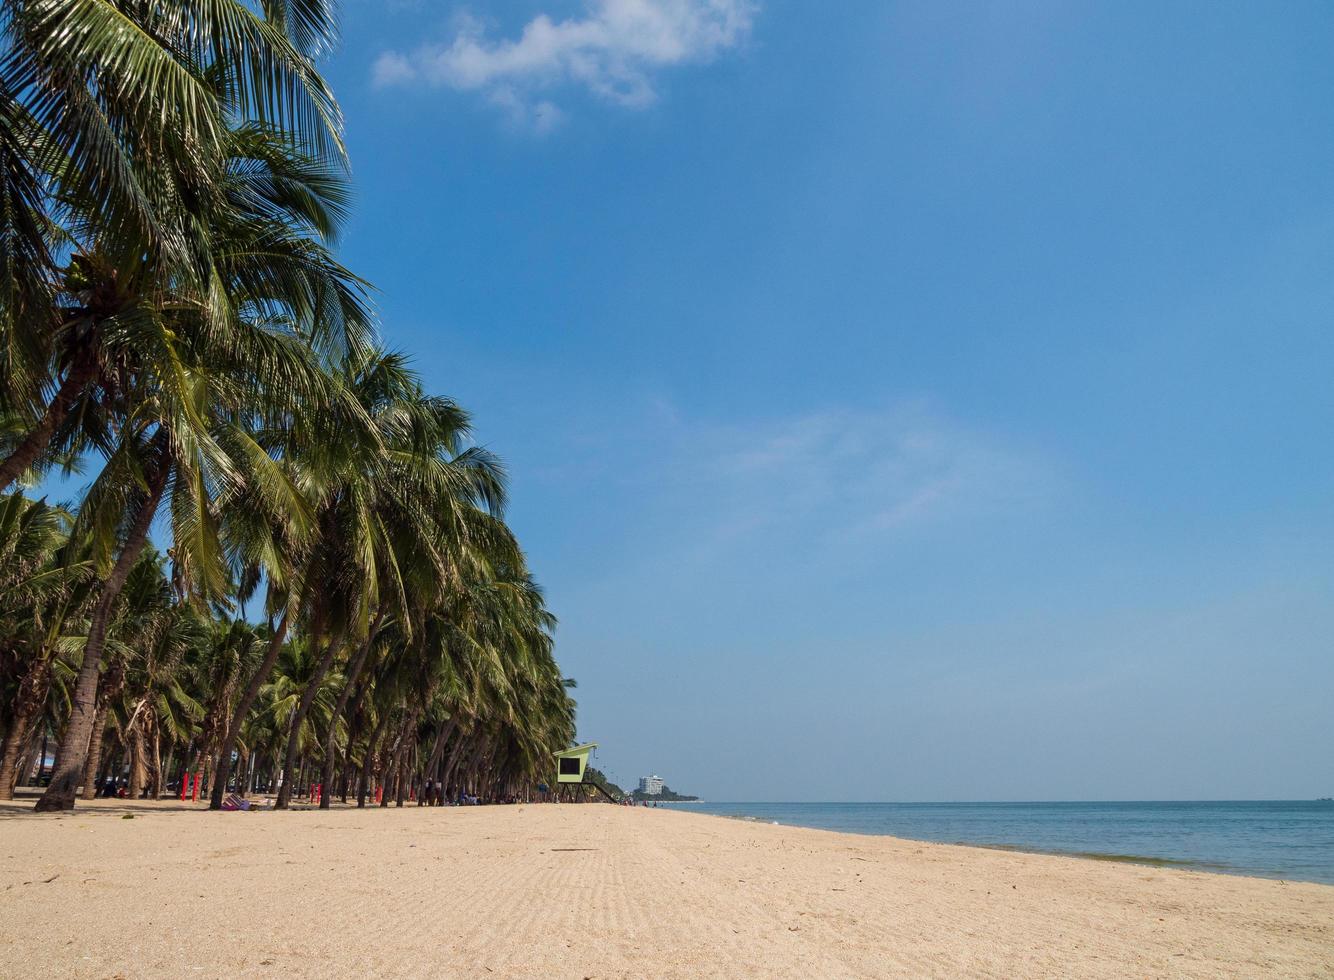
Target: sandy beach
602, 891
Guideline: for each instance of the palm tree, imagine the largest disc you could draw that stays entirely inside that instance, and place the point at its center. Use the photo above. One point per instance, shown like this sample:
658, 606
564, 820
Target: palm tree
379, 499
177, 417
113, 130
224, 661
39, 589
297, 686
172, 183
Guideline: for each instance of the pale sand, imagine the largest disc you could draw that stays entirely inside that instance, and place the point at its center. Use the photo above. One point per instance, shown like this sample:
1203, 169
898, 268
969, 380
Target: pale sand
602, 891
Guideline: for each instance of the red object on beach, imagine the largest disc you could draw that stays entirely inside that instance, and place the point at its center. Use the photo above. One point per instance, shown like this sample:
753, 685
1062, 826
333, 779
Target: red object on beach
379, 794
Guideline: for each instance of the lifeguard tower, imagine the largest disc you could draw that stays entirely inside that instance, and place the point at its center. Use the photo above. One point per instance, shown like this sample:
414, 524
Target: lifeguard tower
572, 765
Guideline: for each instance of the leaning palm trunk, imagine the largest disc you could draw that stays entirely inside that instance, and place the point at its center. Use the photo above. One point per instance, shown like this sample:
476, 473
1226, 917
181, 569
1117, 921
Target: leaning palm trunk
352, 714
223, 768
455, 754
28, 703
94, 760
393, 763
14, 760
138, 765
73, 751
406, 758
242, 779
108, 687
156, 764
368, 760
388, 757
330, 742
469, 778
433, 760
299, 717
36, 441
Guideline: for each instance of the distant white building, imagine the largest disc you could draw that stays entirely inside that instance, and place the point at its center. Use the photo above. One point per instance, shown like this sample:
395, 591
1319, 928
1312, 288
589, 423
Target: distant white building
650, 785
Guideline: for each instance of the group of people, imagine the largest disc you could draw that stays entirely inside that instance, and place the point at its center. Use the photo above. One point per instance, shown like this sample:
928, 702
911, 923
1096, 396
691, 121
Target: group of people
113, 788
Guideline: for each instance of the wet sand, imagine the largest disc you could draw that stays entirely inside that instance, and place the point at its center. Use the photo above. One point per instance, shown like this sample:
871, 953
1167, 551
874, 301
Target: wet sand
603, 891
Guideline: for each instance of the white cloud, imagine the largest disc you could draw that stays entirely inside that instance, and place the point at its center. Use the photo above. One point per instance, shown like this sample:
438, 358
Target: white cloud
613, 51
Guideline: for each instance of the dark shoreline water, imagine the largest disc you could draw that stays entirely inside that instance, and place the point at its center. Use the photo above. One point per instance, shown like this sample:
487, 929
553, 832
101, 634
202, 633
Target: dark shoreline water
1288, 839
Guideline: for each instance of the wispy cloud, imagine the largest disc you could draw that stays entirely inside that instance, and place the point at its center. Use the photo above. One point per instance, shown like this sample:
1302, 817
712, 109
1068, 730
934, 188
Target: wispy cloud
614, 51
831, 483
855, 473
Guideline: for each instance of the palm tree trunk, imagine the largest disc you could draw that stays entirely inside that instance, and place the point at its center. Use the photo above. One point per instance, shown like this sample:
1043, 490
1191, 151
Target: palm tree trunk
405, 755
78, 732
330, 748
437, 749
108, 763
345, 777
388, 757
27, 704
27, 451
352, 714
138, 770
299, 716
94, 761
394, 764
368, 761
29, 756
107, 688
156, 764
469, 777
455, 754
223, 767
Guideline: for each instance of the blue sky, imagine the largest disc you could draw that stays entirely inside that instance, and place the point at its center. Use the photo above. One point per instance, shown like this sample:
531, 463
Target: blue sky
905, 401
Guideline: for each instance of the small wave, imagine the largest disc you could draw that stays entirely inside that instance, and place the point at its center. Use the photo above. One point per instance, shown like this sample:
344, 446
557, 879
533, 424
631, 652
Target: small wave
1147, 859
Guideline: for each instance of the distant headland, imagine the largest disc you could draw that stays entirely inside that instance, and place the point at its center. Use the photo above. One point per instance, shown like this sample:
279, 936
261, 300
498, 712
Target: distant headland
652, 789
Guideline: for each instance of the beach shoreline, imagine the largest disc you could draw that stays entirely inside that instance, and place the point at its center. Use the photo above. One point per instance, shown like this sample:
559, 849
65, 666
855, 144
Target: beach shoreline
597, 890
1146, 833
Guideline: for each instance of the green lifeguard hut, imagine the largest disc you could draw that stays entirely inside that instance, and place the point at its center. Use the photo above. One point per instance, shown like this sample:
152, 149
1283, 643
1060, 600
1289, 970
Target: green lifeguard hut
571, 767
571, 763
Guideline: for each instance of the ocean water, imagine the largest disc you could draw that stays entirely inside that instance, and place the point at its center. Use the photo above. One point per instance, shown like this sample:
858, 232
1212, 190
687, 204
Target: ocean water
1272, 839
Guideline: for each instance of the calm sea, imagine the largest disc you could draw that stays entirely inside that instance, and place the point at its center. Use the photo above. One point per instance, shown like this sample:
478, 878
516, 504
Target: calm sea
1273, 839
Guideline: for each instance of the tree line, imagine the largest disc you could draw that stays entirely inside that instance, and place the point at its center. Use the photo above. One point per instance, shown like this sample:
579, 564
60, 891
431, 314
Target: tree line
178, 331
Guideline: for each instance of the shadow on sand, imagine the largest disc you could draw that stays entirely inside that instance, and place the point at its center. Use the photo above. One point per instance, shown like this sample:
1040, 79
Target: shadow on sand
25, 799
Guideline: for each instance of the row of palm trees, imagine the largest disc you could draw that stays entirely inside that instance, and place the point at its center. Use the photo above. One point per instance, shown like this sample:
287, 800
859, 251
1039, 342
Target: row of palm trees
172, 183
